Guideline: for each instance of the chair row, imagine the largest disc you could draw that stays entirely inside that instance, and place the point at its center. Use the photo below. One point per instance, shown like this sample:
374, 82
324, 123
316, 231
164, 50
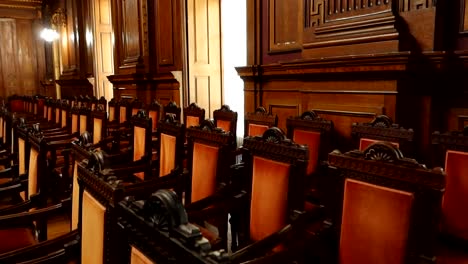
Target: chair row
208, 179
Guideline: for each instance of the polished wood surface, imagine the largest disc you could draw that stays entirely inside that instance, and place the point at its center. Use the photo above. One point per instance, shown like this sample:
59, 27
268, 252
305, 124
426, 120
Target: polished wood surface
22, 59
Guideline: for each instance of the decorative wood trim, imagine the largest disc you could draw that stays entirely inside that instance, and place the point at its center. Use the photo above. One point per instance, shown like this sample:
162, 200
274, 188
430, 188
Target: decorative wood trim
386, 63
345, 113
272, 106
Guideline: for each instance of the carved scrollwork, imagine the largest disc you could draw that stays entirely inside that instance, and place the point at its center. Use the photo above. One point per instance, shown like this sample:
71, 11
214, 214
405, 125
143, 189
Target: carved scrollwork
273, 135
278, 148
382, 121
165, 210
309, 115
382, 152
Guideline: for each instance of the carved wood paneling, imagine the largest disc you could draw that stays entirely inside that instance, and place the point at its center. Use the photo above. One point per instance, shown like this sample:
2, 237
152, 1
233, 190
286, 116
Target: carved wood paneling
165, 24
315, 13
349, 8
283, 111
165, 40
22, 65
70, 40
286, 23
130, 32
411, 5
8, 55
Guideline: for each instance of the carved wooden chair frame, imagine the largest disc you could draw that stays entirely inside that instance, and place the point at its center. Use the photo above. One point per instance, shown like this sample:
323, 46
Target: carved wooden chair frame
383, 164
382, 128
173, 108
206, 133
259, 117
226, 114
441, 142
310, 121
194, 110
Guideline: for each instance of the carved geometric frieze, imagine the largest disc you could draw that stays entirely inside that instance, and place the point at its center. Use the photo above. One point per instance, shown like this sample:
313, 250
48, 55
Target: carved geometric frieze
315, 14
411, 5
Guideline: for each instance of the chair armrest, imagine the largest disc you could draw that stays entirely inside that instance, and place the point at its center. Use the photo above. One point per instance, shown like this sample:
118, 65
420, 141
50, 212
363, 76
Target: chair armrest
27, 217
222, 195
215, 205
65, 246
58, 144
15, 188
260, 248
11, 172
24, 206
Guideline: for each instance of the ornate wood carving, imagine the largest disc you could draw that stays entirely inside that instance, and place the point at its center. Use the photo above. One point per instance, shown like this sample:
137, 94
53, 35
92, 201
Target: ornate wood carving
411, 5
315, 13
349, 8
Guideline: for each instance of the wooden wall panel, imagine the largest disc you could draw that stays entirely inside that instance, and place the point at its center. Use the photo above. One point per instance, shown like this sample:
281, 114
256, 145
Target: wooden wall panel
348, 8
166, 24
165, 28
130, 32
70, 40
286, 20
8, 48
76, 54
26, 56
283, 111
22, 66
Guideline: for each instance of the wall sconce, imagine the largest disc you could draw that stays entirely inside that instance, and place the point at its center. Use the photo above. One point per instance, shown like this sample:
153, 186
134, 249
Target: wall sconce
59, 18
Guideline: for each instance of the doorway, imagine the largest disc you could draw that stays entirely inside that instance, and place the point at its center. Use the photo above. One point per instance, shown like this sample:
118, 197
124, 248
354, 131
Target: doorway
216, 43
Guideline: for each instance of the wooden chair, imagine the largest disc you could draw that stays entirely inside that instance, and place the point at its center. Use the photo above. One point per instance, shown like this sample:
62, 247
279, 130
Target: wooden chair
113, 111
174, 109
154, 217
154, 112
136, 105
193, 115
385, 208
226, 119
102, 102
101, 188
141, 143
84, 119
311, 130
34, 180
382, 128
209, 156
99, 124
451, 153
125, 111
24, 231
170, 147
258, 122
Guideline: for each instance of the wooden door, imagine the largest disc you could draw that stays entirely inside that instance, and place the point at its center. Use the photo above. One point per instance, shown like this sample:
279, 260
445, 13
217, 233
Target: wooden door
103, 48
204, 54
